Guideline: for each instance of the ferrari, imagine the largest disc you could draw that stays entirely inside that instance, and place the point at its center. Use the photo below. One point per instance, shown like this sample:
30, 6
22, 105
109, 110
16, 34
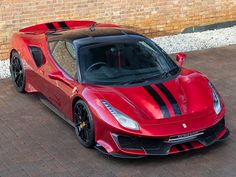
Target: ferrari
120, 91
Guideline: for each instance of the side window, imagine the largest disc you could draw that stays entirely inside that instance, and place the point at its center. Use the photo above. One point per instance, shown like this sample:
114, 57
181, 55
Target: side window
71, 49
37, 55
64, 54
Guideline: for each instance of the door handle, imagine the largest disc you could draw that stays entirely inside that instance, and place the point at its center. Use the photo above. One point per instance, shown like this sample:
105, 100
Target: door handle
59, 76
42, 71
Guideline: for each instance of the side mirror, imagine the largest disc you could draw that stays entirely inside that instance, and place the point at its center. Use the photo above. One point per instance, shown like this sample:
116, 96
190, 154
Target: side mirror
180, 58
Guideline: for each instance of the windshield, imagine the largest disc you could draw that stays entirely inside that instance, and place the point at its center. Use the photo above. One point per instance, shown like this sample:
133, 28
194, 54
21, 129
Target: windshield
124, 62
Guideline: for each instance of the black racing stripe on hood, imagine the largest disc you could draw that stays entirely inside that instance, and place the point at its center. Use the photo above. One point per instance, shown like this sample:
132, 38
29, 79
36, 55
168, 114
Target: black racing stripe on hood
171, 99
158, 100
51, 27
63, 25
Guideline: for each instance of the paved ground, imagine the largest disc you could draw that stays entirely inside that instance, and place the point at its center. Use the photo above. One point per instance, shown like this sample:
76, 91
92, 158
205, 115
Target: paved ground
35, 142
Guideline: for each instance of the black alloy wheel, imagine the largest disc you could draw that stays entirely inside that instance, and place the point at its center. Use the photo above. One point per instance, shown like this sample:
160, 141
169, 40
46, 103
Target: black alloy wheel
84, 126
17, 72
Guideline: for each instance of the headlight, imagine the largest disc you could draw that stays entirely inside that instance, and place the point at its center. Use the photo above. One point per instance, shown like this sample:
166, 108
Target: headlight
123, 119
216, 99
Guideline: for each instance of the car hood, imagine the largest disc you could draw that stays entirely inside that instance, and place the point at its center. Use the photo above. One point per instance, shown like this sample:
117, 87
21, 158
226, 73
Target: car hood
186, 96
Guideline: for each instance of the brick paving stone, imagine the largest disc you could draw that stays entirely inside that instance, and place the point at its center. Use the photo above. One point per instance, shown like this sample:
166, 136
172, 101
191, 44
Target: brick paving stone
35, 142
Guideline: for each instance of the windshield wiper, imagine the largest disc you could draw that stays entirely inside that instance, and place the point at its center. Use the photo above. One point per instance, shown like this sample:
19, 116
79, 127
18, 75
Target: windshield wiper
145, 79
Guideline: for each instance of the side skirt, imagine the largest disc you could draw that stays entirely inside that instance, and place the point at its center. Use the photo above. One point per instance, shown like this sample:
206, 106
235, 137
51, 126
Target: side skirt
47, 103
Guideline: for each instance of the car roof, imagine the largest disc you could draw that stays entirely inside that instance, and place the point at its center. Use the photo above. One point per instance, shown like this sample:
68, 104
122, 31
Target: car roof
74, 34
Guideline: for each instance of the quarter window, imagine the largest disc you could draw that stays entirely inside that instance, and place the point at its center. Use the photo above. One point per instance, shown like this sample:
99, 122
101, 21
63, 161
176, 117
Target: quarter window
64, 54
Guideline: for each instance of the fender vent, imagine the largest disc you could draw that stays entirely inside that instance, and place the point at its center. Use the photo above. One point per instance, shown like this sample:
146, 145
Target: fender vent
37, 55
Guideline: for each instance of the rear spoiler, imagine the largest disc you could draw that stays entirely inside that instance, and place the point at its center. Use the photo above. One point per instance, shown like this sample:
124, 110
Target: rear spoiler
56, 26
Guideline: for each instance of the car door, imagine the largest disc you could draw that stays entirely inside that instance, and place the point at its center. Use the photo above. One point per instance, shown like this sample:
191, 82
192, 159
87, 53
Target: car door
63, 82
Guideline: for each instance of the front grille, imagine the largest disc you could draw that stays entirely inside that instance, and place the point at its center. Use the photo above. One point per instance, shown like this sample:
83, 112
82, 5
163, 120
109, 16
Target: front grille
127, 142
161, 145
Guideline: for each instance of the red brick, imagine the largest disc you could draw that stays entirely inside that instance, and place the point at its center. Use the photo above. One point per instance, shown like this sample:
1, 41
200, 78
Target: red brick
152, 18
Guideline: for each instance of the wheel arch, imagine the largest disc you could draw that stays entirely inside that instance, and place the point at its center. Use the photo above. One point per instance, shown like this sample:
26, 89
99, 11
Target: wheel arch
77, 98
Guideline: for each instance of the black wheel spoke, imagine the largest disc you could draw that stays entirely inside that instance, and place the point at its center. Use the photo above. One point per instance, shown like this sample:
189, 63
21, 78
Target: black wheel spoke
17, 77
87, 133
14, 66
18, 64
82, 123
83, 134
17, 72
18, 80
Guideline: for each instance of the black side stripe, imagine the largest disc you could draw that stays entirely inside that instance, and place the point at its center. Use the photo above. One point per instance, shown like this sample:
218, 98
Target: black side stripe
179, 147
51, 27
171, 98
158, 100
63, 25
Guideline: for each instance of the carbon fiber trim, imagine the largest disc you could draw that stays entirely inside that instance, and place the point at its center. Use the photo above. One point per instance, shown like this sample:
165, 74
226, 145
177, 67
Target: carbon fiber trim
157, 146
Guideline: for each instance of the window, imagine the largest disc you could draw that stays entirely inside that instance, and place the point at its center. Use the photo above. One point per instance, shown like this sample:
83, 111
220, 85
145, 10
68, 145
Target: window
71, 49
64, 54
124, 62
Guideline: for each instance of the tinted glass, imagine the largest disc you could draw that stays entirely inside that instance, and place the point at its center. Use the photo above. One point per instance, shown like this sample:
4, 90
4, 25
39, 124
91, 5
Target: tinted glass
65, 56
124, 62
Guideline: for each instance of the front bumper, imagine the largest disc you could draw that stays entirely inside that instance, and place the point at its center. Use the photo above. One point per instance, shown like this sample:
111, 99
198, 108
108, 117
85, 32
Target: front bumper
141, 146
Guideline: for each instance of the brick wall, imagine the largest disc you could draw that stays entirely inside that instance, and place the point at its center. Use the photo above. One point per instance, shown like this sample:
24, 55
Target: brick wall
150, 17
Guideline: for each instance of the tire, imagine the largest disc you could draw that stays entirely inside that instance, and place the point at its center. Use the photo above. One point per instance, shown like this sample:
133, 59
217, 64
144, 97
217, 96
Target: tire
84, 125
17, 72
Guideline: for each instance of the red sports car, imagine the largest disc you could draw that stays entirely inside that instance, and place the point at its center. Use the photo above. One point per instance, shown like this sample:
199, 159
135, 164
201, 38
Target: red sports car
120, 91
